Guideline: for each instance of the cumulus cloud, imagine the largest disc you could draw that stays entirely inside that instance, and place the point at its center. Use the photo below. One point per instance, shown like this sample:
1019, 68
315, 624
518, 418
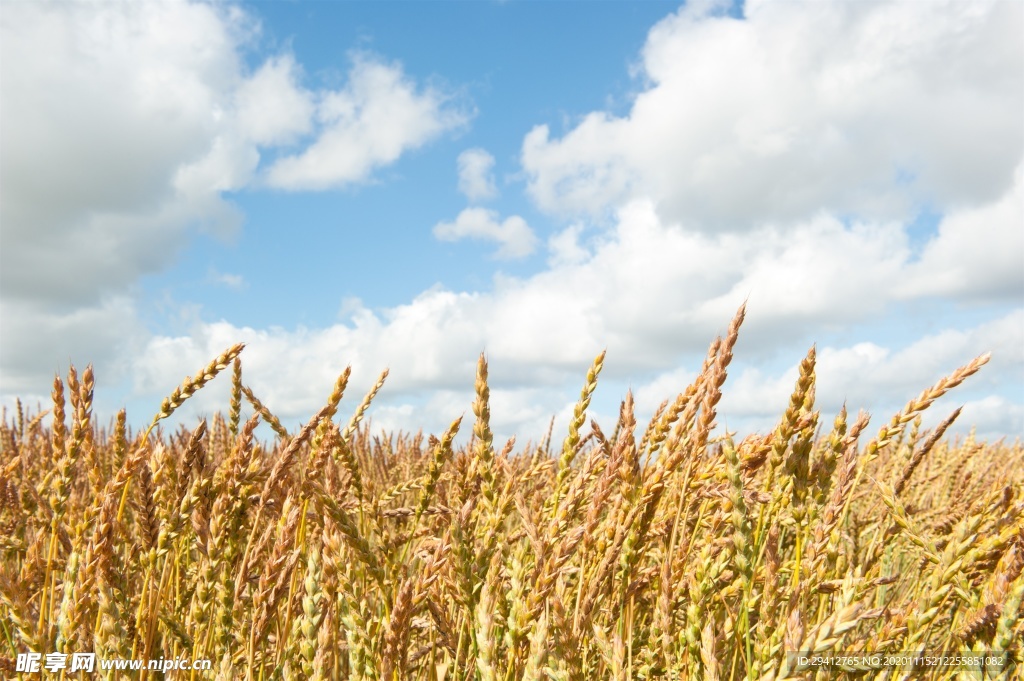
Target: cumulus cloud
862, 372
108, 163
865, 109
817, 129
977, 254
39, 342
272, 107
476, 179
515, 236
564, 247
653, 295
93, 143
123, 126
882, 379
431, 348
378, 116
992, 418
235, 282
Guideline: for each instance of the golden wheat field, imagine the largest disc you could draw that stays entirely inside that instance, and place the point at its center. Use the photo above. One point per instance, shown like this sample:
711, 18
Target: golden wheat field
661, 552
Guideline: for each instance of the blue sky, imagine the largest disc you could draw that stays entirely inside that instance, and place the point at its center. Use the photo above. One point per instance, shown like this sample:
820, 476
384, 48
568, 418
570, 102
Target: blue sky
407, 184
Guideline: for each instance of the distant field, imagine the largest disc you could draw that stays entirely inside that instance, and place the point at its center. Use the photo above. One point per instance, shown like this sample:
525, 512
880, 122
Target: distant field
612, 553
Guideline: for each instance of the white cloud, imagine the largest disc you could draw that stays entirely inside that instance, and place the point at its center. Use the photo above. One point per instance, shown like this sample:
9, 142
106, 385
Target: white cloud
272, 107
293, 370
432, 344
993, 418
564, 247
430, 347
859, 108
863, 372
882, 379
229, 164
124, 124
654, 296
978, 253
377, 117
665, 386
37, 342
476, 179
778, 124
235, 282
515, 236
94, 141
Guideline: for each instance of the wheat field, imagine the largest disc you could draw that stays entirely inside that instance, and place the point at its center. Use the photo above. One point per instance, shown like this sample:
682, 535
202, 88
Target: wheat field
664, 552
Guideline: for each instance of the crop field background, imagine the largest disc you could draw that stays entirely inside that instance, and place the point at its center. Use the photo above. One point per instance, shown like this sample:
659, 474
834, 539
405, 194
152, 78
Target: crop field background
615, 552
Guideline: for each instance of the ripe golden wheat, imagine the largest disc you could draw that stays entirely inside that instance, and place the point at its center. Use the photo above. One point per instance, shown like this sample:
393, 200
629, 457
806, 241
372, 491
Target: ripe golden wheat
335, 553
